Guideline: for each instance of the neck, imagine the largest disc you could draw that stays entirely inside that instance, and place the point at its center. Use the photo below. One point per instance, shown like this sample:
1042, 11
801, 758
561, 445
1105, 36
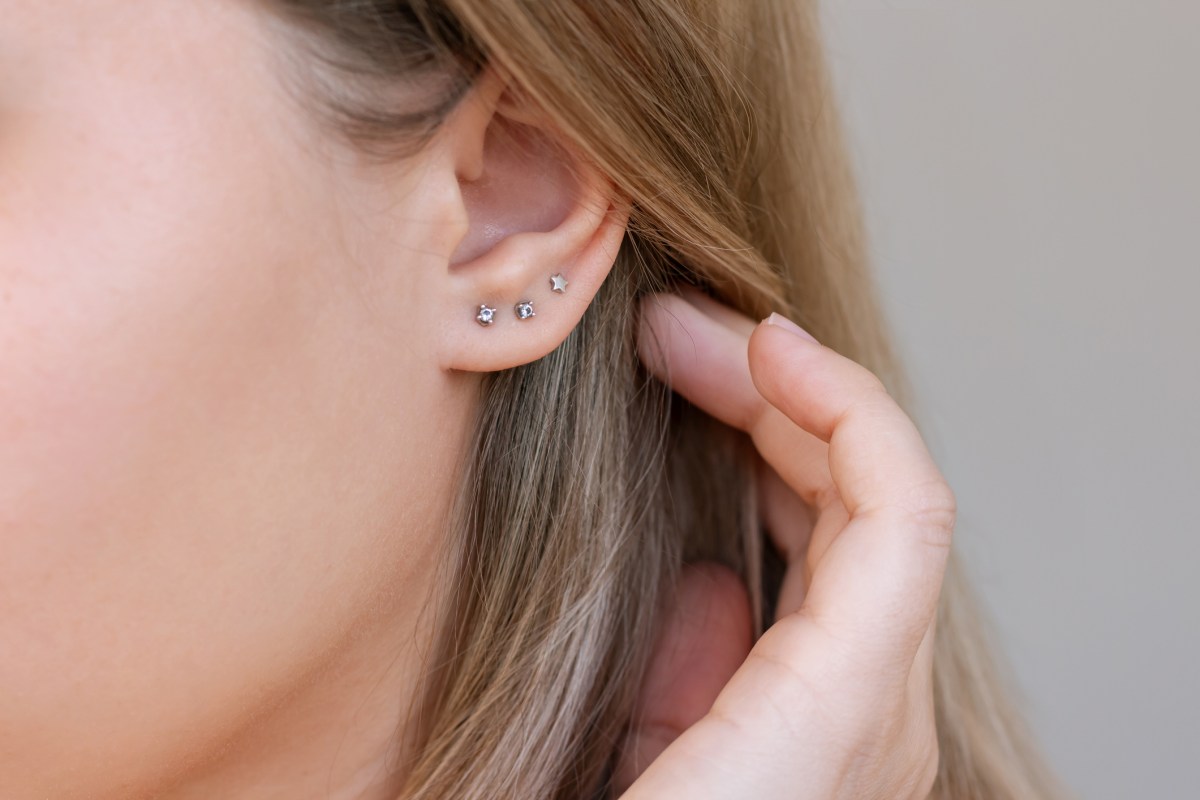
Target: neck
340, 733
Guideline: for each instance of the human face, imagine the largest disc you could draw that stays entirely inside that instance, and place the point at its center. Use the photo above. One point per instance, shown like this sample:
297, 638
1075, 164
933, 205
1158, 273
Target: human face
224, 452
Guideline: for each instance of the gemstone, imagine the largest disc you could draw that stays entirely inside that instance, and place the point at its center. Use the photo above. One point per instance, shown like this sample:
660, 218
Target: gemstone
525, 310
485, 315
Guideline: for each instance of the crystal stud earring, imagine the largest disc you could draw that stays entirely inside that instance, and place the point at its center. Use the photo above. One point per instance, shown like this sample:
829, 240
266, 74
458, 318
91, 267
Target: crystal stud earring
525, 310
558, 283
486, 315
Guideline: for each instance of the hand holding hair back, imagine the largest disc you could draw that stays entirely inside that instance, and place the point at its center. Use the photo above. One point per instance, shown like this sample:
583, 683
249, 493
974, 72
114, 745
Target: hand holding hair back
835, 700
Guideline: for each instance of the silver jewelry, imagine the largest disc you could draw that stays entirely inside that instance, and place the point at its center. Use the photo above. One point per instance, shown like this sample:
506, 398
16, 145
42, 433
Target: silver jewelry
558, 283
525, 310
486, 315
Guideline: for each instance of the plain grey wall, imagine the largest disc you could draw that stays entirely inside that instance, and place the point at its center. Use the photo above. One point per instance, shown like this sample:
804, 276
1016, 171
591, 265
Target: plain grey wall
1030, 172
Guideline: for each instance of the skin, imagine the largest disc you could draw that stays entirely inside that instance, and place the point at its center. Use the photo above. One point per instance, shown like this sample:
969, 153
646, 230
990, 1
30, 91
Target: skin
212, 529
238, 367
835, 700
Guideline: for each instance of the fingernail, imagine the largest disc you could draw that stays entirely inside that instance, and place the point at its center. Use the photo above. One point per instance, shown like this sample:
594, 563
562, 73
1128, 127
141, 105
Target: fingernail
780, 321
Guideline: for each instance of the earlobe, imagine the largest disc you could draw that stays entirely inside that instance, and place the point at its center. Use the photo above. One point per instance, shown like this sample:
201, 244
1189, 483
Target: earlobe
543, 233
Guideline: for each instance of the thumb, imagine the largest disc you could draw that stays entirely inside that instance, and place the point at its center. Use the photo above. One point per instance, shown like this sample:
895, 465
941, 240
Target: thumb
705, 636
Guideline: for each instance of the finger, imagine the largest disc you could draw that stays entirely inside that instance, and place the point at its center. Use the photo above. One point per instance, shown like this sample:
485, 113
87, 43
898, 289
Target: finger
921, 697
707, 362
706, 635
924, 659
880, 576
730, 317
699, 347
922, 671
787, 519
699, 357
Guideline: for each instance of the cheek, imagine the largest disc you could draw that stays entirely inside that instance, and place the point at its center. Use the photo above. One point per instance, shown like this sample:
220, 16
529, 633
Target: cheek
185, 514
141, 346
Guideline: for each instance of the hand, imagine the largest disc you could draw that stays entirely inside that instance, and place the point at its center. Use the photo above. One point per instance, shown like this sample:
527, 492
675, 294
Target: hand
835, 699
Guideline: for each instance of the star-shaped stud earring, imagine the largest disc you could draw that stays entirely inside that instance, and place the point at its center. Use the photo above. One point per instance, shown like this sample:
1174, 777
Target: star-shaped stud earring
558, 283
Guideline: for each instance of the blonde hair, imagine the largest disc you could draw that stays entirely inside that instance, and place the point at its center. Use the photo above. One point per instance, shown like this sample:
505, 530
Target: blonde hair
589, 483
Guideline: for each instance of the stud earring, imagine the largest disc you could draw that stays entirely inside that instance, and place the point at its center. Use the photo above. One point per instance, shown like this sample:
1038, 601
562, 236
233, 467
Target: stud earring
486, 315
558, 283
525, 310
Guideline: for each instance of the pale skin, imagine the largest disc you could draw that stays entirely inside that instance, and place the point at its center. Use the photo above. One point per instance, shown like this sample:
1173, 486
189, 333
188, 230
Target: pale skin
237, 373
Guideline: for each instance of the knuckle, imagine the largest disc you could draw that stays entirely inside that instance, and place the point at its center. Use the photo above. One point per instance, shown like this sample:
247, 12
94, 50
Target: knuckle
934, 507
940, 511
871, 383
866, 398
929, 510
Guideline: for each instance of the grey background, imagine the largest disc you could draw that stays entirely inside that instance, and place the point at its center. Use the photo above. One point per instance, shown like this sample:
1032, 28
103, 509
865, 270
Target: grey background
1030, 174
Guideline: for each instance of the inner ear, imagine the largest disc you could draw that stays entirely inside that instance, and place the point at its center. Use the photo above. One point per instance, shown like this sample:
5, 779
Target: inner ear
526, 185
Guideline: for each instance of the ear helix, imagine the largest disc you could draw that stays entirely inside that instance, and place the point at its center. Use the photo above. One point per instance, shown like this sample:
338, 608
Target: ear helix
486, 314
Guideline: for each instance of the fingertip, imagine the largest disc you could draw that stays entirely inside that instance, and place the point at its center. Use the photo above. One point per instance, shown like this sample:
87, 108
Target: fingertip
719, 595
769, 353
707, 635
790, 373
776, 338
777, 320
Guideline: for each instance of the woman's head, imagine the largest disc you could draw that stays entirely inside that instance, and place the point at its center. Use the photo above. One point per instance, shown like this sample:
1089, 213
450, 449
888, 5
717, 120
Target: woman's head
260, 459
230, 428
221, 453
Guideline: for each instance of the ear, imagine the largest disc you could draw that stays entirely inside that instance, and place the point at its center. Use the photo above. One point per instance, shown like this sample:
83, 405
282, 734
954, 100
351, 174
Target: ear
533, 212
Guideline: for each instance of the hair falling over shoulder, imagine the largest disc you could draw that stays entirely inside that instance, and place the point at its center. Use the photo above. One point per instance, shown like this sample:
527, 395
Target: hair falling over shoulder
718, 123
